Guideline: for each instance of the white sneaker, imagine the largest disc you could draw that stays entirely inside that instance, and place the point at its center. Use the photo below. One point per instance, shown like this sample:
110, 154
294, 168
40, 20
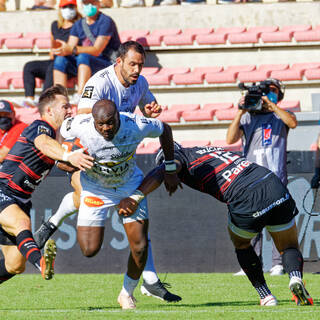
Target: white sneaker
126, 302
131, 3
269, 301
75, 99
277, 270
168, 2
240, 273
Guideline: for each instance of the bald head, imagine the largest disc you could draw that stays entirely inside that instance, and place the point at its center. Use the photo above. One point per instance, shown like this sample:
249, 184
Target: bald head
106, 118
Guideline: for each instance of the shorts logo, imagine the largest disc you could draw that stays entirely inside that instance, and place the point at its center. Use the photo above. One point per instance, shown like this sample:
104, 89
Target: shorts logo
88, 92
93, 201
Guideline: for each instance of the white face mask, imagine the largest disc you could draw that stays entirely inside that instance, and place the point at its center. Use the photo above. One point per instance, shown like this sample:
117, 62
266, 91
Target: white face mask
68, 13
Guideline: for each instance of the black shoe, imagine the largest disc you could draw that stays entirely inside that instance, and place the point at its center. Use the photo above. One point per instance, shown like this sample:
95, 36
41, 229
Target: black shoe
45, 231
158, 290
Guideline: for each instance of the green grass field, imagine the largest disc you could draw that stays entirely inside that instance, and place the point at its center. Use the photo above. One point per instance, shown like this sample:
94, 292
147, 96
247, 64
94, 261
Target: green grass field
205, 296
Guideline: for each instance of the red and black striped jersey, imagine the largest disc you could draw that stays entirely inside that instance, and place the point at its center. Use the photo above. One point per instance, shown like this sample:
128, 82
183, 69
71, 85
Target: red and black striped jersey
25, 166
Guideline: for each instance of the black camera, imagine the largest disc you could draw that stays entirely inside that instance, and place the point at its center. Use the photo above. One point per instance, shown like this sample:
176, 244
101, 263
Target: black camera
252, 99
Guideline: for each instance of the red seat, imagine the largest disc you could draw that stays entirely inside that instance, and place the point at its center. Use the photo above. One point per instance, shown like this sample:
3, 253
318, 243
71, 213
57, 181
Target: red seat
279, 36
306, 66
172, 71
10, 35
38, 35
149, 70
170, 116
150, 147
259, 30
231, 147
198, 115
218, 106
132, 34
312, 35
253, 76
273, 67
227, 114
245, 68
197, 31
12, 74
19, 43
293, 106
188, 78
150, 40
302, 27
158, 79
245, 37
166, 32
287, 75
27, 115
4, 82
184, 107
221, 77
204, 70
230, 30
194, 143
43, 43
213, 38
179, 39
312, 74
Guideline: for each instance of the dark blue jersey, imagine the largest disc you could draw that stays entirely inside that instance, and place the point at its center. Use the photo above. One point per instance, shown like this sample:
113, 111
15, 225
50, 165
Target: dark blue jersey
220, 173
25, 166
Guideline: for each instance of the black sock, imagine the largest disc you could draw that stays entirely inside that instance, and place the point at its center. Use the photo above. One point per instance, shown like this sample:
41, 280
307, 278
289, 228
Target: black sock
4, 274
251, 265
292, 261
29, 248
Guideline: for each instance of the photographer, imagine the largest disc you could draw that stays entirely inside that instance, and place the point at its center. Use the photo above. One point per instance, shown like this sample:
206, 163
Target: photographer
263, 128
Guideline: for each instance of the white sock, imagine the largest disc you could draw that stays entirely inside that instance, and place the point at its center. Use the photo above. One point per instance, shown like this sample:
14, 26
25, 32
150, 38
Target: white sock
129, 285
149, 273
65, 209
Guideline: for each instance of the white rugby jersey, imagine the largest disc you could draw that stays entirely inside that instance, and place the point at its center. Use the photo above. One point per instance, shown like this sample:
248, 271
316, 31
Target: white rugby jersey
114, 160
106, 85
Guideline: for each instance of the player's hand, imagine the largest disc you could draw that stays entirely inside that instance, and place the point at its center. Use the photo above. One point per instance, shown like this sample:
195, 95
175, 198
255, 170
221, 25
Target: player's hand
80, 159
172, 182
127, 207
152, 110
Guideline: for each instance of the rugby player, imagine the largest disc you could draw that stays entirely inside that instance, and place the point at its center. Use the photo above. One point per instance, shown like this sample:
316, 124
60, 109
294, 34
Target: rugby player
112, 138
122, 84
256, 198
28, 162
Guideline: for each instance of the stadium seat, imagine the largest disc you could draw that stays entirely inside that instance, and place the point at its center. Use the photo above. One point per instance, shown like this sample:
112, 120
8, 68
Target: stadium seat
287, 75
158, 79
172, 71
227, 114
273, 67
194, 143
197, 31
221, 77
27, 115
43, 43
306, 66
229, 30
19, 43
312, 74
37, 35
294, 28
188, 78
211, 39
10, 35
253, 76
241, 68
179, 39
293, 106
198, 115
166, 32
170, 116
260, 29
184, 107
303, 36
150, 147
279, 36
245, 37
231, 147
149, 70
4, 83
132, 34
218, 106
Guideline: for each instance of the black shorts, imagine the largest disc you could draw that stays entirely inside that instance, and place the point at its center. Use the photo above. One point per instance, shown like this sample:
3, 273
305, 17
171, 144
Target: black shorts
7, 199
266, 203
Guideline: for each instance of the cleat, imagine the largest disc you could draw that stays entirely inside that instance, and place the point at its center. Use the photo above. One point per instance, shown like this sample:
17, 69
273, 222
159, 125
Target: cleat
277, 270
300, 294
45, 231
158, 290
126, 302
47, 260
269, 301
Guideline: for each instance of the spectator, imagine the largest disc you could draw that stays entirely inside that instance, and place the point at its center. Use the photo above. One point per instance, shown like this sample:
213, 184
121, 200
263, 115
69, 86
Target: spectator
132, 3
43, 5
43, 69
10, 128
92, 46
264, 136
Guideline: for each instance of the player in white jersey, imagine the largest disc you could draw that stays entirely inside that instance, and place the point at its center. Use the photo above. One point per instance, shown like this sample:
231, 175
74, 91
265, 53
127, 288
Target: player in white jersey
111, 139
123, 84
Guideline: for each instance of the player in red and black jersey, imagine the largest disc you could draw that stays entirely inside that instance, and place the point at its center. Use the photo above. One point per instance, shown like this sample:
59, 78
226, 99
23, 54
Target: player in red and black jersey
256, 198
26, 165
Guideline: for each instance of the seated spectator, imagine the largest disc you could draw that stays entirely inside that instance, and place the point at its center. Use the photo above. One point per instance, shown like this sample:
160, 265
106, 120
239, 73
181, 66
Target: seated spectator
43, 5
92, 46
43, 69
10, 128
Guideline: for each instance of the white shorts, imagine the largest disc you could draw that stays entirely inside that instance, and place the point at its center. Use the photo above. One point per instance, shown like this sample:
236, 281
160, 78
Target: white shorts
98, 203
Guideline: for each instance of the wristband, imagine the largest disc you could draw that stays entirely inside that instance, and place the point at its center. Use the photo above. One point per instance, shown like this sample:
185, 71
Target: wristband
137, 195
66, 155
170, 166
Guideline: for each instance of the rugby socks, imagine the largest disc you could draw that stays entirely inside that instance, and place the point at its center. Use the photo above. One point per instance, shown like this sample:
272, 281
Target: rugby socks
292, 261
251, 265
65, 209
4, 274
28, 248
129, 285
149, 273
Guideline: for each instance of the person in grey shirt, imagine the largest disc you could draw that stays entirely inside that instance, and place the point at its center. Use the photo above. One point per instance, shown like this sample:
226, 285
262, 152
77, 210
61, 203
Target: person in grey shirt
264, 139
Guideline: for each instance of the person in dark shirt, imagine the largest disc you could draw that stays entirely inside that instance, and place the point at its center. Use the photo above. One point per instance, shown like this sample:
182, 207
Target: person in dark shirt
256, 198
43, 69
28, 162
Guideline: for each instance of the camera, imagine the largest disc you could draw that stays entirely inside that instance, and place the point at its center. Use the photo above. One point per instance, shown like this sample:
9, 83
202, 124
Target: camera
252, 99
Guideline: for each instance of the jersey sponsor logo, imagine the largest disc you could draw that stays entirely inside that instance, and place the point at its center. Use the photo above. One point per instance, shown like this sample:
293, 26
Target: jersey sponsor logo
271, 206
231, 174
209, 149
266, 134
43, 130
93, 201
88, 91
69, 122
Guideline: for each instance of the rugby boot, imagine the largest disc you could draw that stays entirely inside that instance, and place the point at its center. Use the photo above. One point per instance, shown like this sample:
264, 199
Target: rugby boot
269, 301
46, 230
126, 302
159, 290
300, 294
47, 260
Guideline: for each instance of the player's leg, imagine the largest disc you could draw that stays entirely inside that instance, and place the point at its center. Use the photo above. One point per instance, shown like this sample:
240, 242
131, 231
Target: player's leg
16, 223
68, 206
286, 240
250, 263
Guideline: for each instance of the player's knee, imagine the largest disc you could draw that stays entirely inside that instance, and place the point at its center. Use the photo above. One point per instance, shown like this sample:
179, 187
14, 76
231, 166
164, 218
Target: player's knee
90, 251
139, 250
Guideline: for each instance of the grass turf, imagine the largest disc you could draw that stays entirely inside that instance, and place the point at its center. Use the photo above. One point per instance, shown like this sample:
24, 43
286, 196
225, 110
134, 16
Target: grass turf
205, 296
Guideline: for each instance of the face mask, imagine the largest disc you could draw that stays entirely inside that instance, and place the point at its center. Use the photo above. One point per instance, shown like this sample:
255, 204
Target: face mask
273, 97
68, 13
5, 123
89, 10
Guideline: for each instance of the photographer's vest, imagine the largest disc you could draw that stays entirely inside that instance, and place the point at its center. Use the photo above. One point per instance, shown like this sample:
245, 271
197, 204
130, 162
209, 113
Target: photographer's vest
265, 142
